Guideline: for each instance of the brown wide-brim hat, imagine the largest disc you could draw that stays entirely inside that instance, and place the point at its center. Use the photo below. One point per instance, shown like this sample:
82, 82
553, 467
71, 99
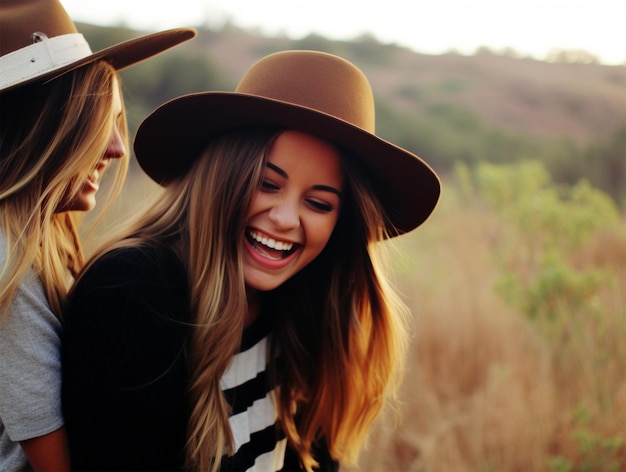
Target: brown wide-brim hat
308, 91
39, 42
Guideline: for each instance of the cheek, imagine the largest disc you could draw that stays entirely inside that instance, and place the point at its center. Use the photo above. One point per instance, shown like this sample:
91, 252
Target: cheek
256, 204
321, 233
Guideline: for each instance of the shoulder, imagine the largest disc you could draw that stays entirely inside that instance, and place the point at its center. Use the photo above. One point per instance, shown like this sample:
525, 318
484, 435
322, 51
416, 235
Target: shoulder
29, 308
148, 261
138, 269
132, 303
137, 280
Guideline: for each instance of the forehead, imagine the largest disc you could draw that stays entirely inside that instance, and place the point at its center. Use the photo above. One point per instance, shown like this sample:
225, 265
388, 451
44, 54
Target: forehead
309, 156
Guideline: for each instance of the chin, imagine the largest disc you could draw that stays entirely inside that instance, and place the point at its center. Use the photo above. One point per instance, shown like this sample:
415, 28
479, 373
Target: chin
262, 287
262, 284
79, 205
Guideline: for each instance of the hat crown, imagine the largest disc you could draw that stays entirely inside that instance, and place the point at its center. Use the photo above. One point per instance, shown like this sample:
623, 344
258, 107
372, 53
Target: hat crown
19, 19
316, 80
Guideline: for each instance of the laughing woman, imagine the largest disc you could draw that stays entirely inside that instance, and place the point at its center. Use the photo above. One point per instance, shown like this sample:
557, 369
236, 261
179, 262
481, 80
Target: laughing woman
244, 321
62, 124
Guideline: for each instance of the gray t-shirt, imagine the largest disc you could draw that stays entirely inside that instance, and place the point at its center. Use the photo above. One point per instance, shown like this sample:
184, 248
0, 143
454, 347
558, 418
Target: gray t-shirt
30, 370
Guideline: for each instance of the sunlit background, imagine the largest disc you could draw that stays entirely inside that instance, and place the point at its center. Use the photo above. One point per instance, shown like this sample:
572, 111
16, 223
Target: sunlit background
531, 27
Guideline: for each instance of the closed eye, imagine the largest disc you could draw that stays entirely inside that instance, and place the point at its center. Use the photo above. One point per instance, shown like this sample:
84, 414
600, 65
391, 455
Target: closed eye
268, 185
320, 206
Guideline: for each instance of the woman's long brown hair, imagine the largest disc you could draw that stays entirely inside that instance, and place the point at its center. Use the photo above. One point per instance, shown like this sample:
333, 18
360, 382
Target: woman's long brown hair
341, 338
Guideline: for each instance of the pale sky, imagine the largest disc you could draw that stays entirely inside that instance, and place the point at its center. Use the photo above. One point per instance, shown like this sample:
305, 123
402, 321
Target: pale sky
531, 27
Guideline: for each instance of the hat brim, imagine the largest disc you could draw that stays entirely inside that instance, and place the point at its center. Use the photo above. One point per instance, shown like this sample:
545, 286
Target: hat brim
121, 55
177, 132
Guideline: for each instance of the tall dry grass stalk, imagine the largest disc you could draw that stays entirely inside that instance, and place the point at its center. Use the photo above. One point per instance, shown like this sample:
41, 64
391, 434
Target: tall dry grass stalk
487, 389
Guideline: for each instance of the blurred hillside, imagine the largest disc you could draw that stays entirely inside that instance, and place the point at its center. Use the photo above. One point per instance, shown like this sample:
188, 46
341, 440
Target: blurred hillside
447, 108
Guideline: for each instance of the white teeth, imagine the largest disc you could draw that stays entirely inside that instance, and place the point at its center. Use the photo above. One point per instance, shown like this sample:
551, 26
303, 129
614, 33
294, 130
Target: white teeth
271, 243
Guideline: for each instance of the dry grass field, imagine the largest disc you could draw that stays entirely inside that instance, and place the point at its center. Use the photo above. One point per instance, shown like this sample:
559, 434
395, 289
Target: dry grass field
487, 387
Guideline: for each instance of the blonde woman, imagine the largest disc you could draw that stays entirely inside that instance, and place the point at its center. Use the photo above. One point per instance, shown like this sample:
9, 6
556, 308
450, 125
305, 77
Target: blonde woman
244, 321
62, 126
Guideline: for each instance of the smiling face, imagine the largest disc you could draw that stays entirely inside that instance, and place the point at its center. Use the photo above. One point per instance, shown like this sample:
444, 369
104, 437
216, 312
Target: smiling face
294, 210
85, 200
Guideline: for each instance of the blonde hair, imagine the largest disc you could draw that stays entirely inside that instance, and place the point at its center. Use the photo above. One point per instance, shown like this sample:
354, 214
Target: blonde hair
52, 137
330, 387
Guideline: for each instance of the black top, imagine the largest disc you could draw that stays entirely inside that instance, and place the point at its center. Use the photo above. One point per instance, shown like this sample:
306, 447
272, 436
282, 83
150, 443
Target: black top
124, 363
125, 371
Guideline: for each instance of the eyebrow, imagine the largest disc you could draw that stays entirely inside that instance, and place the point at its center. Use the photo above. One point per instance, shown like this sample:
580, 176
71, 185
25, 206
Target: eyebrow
325, 188
277, 169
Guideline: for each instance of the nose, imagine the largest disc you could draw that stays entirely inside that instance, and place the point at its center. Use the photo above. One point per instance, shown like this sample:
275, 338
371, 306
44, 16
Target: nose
285, 214
116, 148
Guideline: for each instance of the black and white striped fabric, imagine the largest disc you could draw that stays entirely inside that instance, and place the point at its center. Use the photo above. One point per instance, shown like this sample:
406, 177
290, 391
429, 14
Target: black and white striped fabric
259, 444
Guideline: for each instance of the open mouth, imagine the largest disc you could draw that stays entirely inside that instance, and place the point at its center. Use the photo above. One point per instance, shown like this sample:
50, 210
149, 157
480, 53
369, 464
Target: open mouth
94, 177
269, 247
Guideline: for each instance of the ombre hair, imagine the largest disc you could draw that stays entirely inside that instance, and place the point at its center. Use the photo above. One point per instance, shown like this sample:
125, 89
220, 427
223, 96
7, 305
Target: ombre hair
338, 359
343, 355
52, 136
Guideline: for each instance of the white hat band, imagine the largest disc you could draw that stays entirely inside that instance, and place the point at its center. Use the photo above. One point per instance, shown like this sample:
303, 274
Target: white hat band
42, 57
